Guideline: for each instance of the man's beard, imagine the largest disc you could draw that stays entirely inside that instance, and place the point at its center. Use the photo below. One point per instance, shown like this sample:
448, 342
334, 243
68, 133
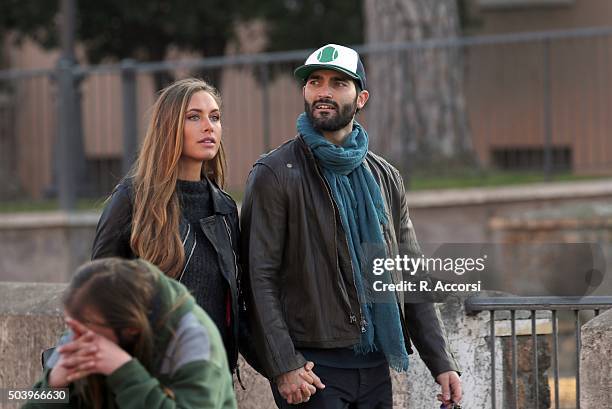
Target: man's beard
330, 123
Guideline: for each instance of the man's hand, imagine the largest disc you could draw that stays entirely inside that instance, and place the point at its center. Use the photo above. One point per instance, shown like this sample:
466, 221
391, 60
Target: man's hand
299, 385
451, 387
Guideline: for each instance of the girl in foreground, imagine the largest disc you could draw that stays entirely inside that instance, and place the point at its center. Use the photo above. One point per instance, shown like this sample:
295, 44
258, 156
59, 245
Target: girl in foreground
137, 339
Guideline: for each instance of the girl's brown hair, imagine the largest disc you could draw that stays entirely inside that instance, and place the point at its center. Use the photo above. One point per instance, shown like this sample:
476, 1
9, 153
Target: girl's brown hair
155, 221
122, 292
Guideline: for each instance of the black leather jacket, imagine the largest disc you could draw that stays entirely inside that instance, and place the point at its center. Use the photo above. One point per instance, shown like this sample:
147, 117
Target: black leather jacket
112, 239
292, 249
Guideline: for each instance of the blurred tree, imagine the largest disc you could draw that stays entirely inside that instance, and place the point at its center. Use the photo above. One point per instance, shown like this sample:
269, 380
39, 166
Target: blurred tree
30, 18
417, 94
117, 29
145, 30
306, 24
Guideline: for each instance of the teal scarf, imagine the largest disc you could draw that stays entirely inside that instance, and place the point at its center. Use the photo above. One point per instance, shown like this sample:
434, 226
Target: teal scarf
362, 213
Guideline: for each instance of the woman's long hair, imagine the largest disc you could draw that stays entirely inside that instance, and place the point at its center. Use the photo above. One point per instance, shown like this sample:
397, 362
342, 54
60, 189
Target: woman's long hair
155, 220
122, 292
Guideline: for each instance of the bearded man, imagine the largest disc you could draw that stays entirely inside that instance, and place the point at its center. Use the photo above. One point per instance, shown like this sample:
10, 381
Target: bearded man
310, 207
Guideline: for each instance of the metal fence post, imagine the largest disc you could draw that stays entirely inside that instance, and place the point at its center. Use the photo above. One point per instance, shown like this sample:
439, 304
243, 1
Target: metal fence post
548, 159
130, 124
265, 106
67, 136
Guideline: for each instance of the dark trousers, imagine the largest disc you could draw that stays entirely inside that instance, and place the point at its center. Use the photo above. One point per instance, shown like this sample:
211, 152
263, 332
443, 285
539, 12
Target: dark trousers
365, 388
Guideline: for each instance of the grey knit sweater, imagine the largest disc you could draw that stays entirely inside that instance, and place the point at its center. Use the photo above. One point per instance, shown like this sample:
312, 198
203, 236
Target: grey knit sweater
202, 275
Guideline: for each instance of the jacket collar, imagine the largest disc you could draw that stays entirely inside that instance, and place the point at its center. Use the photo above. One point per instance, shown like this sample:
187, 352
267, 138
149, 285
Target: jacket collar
222, 204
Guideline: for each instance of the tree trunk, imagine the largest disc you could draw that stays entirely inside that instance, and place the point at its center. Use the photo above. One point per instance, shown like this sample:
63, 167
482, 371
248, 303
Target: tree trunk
9, 179
416, 114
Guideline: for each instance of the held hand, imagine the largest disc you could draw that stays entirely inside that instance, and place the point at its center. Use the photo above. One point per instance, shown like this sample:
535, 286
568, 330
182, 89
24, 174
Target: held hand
451, 387
310, 377
297, 386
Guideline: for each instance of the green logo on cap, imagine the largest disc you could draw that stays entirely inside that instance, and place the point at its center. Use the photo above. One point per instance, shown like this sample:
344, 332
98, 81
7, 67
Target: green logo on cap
328, 54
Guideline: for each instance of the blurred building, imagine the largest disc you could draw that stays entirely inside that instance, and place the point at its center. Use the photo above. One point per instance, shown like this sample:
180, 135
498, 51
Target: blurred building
506, 85
520, 93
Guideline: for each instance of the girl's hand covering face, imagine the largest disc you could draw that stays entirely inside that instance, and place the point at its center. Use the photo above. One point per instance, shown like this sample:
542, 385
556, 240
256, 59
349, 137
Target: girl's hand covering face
88, 353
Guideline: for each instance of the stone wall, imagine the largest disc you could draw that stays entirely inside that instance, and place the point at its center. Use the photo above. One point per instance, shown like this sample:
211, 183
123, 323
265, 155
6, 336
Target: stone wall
464, 215
31, 321
46, 247
595, 363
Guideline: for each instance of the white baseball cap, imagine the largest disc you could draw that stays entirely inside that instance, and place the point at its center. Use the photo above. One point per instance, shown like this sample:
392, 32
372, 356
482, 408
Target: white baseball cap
334, 57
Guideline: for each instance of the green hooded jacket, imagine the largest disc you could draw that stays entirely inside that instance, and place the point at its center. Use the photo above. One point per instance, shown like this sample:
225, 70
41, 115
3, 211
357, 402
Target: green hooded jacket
193, 370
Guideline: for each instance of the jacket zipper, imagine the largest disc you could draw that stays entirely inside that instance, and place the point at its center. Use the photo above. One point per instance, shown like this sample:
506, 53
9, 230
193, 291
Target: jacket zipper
234, 254
385, 235
190, 254
399, 306
229, 234
388, 247
353, 319
186, 234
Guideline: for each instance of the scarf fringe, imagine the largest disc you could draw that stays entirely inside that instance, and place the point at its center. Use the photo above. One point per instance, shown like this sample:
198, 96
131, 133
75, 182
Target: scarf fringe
399, 364
364, 349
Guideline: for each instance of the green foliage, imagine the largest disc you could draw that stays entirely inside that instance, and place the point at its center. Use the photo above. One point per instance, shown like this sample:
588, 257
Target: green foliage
469, 21
144, 29
117, 29
30, 18
306, 24
47, 205
489, 178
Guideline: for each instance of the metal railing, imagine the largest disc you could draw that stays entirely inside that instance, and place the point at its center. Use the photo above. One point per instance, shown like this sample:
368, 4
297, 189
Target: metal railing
535, 101
534, 304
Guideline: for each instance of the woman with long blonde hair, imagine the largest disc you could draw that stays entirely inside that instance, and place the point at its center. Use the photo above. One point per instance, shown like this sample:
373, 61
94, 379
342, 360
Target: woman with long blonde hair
171, 209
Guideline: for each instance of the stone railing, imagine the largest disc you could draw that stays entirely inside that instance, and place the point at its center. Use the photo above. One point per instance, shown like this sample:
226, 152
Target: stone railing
30, 321
47, 247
